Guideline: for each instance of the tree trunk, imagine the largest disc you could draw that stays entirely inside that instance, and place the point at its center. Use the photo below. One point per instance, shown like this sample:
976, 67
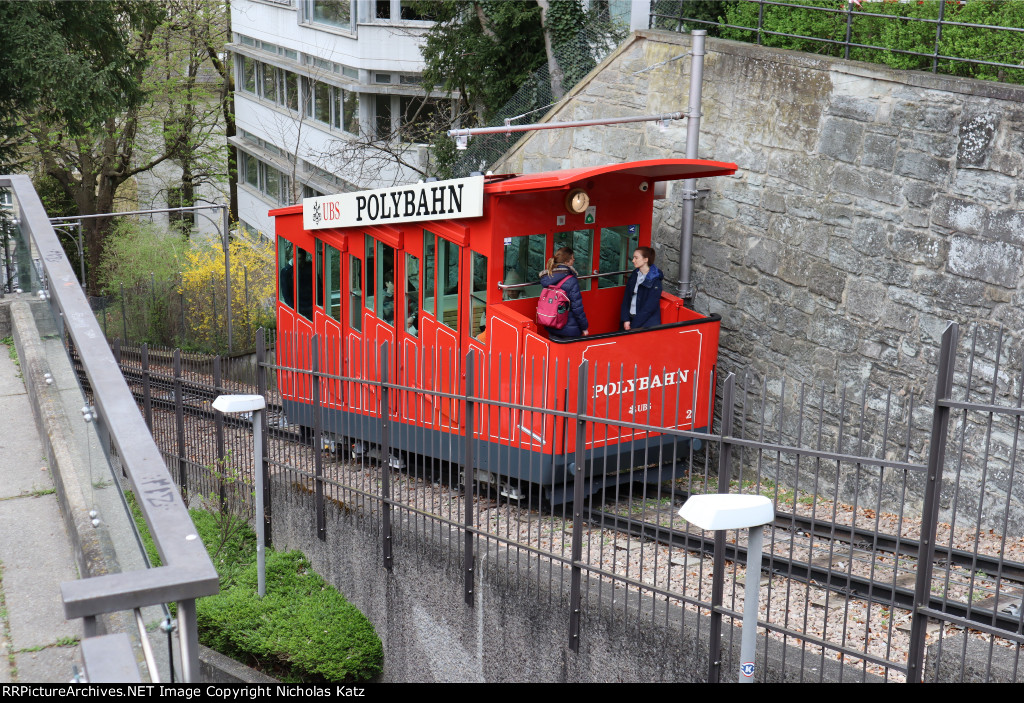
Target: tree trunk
554, 69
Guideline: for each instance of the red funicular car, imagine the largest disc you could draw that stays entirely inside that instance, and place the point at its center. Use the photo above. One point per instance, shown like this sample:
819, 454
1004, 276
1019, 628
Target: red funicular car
416, 277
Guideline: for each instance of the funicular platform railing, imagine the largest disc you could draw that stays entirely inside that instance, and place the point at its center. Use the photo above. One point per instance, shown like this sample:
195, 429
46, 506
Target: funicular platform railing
187, 572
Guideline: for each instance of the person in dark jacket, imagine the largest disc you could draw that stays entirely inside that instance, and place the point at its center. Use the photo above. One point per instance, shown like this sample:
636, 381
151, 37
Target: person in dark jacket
560, 266
641, 304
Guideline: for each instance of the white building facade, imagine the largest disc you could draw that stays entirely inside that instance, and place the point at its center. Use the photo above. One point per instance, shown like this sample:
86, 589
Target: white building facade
327, 98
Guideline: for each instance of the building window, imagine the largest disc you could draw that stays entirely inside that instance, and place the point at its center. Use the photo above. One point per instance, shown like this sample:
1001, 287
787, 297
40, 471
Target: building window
406, 10
383, 117
266, 179
322, 102
346, 110
413, 11
270, 83
248, 71
336, 13
421, 119
332, 105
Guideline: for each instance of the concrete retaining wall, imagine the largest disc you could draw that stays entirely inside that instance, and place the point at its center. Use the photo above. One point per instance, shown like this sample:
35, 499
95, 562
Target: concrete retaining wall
517, 629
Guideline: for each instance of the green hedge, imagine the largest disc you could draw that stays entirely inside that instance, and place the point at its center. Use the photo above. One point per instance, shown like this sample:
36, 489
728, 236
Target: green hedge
302, 630
895, 30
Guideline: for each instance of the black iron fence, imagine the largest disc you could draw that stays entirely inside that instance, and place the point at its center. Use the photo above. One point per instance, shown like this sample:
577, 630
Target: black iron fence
897, 552
976, 39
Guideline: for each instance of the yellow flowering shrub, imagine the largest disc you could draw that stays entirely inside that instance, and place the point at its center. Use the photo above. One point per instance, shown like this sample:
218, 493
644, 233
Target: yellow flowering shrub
205, 294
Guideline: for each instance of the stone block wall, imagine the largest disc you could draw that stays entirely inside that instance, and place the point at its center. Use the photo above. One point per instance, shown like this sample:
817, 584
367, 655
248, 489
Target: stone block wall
870, 207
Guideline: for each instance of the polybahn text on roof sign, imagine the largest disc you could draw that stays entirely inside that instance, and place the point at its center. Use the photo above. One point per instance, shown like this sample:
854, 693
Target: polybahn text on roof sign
439, 200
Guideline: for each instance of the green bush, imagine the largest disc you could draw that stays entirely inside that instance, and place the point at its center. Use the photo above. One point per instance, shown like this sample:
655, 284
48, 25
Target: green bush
302, 630
896, 31
142, 262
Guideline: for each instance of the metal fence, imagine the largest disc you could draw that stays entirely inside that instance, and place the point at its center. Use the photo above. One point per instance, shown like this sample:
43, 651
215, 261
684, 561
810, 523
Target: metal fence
40, 268
983, 40
897, 552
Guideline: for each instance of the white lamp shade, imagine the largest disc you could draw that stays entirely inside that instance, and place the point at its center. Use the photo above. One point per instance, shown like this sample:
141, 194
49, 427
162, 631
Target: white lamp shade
239, 403
725, 511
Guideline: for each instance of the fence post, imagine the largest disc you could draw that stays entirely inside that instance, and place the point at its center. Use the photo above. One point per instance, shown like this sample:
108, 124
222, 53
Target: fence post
213, 297
227, 273
718, 574
147, 396
932, 493
218, 423
849, 30
124, 316
468, 472
179, 421
385, 455
760, 21
938, 37
579, 479
261, 388
318, 457
248, 318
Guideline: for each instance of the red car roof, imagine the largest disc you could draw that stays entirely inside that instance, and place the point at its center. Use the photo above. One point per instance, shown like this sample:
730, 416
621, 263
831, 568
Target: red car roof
655, 169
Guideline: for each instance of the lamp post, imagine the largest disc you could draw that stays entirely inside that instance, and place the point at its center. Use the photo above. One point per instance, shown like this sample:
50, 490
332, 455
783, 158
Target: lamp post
233, 404
723, 511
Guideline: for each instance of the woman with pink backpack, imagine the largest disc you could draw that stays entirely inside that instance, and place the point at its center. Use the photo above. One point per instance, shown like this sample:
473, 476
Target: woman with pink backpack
560, 276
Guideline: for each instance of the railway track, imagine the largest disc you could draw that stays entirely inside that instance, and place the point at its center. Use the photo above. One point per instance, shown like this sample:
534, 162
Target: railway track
843, 546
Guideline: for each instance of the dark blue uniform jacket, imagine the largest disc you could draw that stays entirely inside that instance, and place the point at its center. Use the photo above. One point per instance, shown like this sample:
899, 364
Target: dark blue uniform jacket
648, 299
577, 317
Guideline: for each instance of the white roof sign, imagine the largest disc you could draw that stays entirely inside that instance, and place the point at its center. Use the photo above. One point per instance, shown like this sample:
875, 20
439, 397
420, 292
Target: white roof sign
439, 200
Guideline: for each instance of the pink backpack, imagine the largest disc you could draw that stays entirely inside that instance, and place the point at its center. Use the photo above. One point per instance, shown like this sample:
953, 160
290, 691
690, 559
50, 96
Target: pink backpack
553, 306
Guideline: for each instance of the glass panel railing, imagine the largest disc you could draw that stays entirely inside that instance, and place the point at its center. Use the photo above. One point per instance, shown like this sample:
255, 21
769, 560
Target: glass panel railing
104, 448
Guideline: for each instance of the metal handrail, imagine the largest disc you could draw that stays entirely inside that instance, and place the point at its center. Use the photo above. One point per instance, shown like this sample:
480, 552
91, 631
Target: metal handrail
187, 572
513, 286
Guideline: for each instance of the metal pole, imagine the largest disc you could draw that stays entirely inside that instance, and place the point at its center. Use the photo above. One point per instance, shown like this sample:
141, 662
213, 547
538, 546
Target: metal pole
227, 273
469, 424
509, 128
261, 534
385, 455
697, 37
751, 596
938, 37
718, 573
932, 494
81, 254
124, 316
579, 477
263, 468
318, 455
188, 640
